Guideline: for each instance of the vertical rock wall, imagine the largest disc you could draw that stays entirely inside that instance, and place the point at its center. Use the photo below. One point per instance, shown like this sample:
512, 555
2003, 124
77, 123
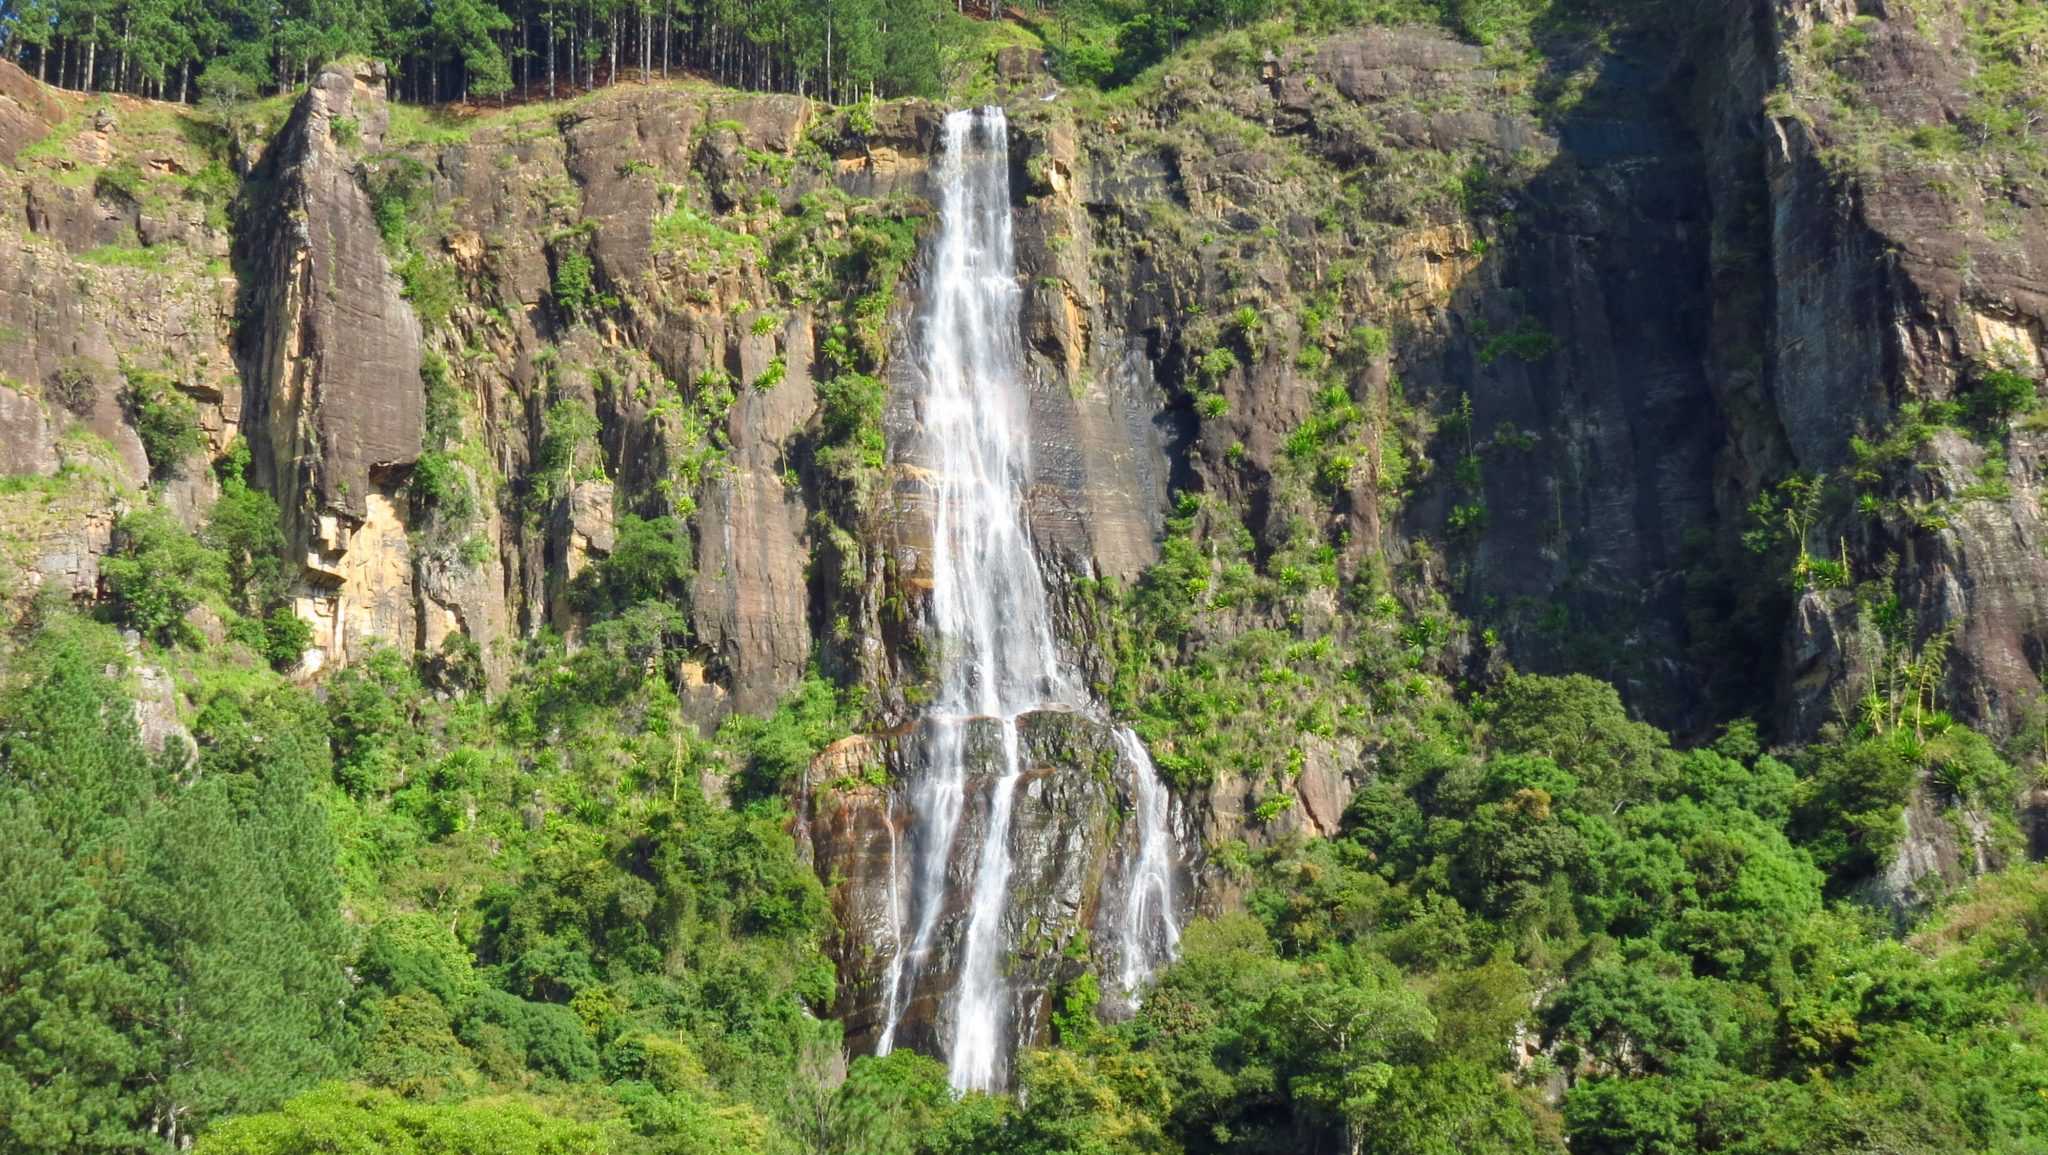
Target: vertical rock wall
331, 368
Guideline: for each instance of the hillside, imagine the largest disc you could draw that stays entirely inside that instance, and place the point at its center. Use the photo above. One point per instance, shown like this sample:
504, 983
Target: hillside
1524, 520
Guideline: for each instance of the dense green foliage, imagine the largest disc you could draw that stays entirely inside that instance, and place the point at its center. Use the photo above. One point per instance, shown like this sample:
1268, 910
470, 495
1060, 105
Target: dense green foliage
164, 418
381, 911
174, 941
844, 50
233, 49
557, 941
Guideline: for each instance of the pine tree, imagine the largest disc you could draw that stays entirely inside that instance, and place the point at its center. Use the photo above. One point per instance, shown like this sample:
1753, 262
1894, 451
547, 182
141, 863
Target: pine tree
172, 946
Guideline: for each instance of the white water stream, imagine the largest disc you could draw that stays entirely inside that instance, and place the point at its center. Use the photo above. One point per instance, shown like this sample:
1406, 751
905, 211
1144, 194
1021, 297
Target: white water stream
990, 621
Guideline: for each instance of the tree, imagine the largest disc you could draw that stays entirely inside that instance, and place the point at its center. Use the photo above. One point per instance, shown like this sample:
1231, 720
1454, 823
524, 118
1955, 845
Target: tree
343, 1118
157, 573
194, 966
1336, 1035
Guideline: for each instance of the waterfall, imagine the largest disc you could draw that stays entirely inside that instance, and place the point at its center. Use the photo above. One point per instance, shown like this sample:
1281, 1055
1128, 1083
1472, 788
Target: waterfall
1150, 931
989, 617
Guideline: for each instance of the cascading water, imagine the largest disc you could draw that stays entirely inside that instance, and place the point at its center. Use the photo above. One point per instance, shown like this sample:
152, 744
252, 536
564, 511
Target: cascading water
990, 620
1151, 933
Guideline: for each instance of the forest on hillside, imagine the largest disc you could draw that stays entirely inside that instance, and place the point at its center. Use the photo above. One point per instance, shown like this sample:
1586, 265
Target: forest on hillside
447, 50
391, 906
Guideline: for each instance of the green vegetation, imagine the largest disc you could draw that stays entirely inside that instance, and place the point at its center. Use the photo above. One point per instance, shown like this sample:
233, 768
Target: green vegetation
230, 50
1996, 132
164, 418
387, 912
174, 926
430, 283
706, 245
157, 574
561, 945
575, 289
125, 256
1107, 43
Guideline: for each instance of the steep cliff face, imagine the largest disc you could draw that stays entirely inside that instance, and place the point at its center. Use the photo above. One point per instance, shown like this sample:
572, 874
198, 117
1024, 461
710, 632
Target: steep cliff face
112, 282
1905, 273
1375, 351
331, 368
1605, 321
1067, 837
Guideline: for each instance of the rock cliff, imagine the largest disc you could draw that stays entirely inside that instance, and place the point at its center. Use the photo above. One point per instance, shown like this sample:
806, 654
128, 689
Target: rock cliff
1435, 337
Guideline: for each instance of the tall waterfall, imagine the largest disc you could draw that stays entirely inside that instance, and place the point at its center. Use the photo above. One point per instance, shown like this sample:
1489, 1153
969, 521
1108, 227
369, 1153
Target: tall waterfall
990, 622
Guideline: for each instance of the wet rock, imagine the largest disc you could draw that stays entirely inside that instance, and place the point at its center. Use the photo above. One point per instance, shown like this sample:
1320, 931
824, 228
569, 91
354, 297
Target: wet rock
1064, 841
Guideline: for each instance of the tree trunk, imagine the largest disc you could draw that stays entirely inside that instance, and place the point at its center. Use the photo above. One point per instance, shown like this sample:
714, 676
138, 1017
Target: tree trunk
92, 47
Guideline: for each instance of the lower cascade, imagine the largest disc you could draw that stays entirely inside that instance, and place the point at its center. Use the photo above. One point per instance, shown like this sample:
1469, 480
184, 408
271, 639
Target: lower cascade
998, 659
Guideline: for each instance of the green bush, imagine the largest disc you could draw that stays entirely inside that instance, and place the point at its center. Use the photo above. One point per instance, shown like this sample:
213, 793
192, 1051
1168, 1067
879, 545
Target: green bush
156, 573
575, 285
431, 285
286, 638
547, 1037
165, 420
397, 191
356, 1119
370, 707
440, 489
407, 952
121, 179
1999, 395
852, 446
650, 559
245, 527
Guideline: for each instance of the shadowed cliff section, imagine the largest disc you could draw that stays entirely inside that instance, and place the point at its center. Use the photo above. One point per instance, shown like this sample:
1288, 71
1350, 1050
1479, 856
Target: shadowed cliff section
331, 366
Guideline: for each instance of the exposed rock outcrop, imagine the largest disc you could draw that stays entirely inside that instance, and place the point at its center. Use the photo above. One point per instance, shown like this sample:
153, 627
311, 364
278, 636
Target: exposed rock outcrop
335, 402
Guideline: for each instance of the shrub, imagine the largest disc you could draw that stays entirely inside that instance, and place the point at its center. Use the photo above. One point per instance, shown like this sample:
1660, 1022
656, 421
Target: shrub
73, 386
650, 559
440, 488
395, 193
244, 525
1999, 395
157, 573
430, 284
575, 288
548, 1037
408, 952
121, 179
850, 412
286, 638
164, 418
